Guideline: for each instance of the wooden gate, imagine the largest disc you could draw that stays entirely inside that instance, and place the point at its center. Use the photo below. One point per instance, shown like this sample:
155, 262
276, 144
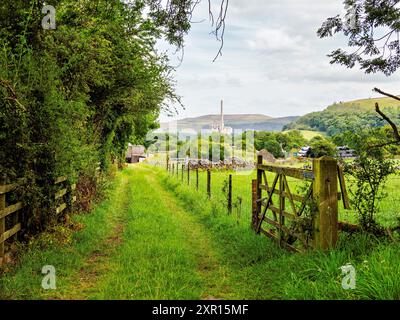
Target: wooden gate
298, 222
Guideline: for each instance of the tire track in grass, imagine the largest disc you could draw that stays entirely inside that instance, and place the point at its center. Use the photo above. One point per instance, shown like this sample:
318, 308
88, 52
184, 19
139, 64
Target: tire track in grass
83, 283
212, 273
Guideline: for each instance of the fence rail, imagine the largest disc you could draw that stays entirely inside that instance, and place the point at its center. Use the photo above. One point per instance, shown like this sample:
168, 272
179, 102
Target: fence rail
8, 213
10, 224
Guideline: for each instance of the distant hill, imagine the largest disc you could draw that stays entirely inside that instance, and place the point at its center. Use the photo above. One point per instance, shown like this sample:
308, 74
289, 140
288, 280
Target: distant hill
344, 116
257, 122
364, 105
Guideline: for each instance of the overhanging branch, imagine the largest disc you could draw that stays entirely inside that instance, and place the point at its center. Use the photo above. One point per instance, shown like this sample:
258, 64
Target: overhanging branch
386, 94
396, 133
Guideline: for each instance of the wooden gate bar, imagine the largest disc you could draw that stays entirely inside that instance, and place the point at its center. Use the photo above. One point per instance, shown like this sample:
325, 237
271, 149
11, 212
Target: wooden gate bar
268, 202
254, 204
302, 174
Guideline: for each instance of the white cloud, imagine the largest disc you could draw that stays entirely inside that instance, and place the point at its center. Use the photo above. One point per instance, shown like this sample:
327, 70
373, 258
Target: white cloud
276, 41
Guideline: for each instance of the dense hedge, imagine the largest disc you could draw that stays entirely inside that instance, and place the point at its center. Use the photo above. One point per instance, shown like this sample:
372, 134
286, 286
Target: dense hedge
74, 96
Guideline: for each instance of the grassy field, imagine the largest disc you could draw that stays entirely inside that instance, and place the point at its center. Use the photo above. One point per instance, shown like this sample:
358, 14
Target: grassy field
241, 187
308, 134
158, 238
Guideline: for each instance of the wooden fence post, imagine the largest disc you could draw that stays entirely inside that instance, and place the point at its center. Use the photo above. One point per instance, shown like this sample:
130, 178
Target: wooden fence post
281, 207
325, 192
2, 226
168, 162
254, 204
183, 171
173, 169
177, 170
230, 194
259, 181
209, 183
197, 179
188, 175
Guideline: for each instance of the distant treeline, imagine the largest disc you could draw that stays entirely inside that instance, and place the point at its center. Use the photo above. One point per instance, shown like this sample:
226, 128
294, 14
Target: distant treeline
338, 119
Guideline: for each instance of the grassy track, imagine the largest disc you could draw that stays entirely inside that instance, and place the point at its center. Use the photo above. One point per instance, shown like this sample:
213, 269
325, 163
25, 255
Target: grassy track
157, 238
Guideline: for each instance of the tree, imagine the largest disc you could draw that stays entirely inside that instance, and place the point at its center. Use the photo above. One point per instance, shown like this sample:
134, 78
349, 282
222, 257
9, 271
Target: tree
173, 19
370, 171
321, 147
373, 29
291, 140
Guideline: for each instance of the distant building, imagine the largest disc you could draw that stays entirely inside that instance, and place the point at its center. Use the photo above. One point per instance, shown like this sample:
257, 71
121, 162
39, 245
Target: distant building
135, 153
220, 127
304, 152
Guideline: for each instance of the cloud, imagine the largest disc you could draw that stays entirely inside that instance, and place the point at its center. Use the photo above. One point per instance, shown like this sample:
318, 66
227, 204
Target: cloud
277, 41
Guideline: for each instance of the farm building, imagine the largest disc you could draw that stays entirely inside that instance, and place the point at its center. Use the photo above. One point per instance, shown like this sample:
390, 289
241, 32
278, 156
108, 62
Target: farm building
135, 153
304, 152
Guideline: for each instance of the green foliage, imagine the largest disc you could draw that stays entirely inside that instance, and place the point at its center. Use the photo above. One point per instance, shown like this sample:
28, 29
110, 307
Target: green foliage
372, 29
367, 188
322, 147
339, 118
293, 139
370, 171
275, 143
75, 96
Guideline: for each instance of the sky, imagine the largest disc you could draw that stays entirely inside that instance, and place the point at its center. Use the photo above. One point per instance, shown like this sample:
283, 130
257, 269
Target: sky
273, 62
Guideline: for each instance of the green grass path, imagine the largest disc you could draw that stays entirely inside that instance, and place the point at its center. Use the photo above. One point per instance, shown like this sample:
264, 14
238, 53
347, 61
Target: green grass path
165, 253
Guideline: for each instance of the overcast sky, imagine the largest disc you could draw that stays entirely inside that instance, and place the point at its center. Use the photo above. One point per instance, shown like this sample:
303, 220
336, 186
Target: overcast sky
273, 62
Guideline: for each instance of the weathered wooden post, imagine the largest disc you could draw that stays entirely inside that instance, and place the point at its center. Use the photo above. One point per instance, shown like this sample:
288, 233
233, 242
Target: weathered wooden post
2, 224
254, 204
197, 179
177, 169
188, 174
230, 194
325, 192
259, 180
167, 150
173, 169
281, 206
210, 149
199, 146
167, 162
183, 171
209, 183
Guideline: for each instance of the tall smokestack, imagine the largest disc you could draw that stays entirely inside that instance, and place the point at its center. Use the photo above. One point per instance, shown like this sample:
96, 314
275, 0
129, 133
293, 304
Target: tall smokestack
222, 115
